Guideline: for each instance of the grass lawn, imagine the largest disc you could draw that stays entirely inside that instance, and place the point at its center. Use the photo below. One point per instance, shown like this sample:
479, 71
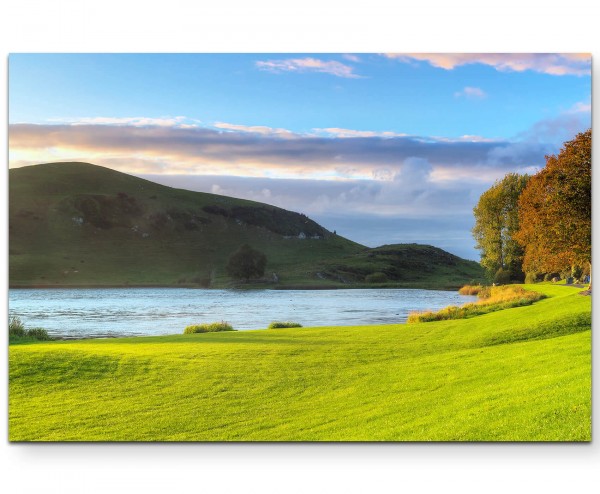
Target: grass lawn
521, 374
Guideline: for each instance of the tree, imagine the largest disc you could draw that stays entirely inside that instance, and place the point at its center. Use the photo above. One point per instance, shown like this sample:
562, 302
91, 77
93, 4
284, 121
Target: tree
555, 210
496, 223
246, 263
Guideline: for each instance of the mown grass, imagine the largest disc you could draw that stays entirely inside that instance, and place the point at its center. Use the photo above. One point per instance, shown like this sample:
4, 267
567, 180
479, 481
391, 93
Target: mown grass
521, 374
491, 299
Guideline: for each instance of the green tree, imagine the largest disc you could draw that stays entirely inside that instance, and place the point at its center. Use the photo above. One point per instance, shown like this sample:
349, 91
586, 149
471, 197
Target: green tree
555, 210
246, 263
496, 223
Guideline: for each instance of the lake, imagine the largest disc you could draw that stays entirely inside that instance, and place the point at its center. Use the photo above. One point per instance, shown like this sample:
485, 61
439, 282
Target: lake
108, 312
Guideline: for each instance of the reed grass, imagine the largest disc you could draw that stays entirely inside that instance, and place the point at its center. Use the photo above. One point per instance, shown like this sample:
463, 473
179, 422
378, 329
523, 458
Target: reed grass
491, 299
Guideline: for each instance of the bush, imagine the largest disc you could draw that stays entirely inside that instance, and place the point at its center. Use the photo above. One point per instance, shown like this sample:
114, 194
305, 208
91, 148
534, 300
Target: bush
284, 324
551, 276
16, 330
502, 277
38, 334
16, 327
212, 327
531, 278
376, 278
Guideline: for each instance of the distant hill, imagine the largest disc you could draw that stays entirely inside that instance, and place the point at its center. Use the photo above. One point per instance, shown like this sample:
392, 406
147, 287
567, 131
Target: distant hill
78, 224
409, 265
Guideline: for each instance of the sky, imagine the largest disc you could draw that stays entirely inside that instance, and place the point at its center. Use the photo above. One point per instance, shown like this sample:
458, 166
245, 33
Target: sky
383, 148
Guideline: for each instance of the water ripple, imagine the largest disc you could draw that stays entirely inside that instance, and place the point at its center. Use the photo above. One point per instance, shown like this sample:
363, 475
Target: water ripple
110, 312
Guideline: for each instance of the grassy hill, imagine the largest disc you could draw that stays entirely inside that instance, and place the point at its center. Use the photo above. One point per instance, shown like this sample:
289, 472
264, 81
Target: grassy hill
521, 374
78, 224
408, 265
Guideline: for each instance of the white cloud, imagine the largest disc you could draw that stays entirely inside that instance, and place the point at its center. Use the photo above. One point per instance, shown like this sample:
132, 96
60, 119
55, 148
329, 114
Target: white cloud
367, 211
351, 58
180, 121
475, 138
345, 133
383, 178
255, 129
580, 107
344, 154
547, 63
414, 170
560, 128
463, 138
471, 92
309, 64
332, 154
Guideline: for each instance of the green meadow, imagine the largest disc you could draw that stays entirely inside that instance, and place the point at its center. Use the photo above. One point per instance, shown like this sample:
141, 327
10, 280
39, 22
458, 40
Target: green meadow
519, 374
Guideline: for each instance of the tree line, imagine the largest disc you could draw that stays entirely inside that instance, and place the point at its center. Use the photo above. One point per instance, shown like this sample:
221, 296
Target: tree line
530, 226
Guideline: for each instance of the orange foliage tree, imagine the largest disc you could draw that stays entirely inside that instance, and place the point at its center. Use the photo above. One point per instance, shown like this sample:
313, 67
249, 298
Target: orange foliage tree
555, 210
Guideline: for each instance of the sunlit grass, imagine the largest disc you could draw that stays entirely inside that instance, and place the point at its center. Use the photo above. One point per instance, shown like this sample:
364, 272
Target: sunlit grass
521, 374
491, 299
470, 289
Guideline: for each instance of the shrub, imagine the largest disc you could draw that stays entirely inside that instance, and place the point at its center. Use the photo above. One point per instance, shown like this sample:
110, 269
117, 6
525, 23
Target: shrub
38, 334
16, 327
531, 277
284, 324
502, 277
376, 278
17, 331
470, 290
551, 276
212, 327
563, 275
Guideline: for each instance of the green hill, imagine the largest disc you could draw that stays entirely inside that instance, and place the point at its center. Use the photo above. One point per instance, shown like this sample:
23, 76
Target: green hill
76, 224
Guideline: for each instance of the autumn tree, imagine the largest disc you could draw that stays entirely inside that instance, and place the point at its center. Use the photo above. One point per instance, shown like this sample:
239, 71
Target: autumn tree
246, 263
555, 213
496, 222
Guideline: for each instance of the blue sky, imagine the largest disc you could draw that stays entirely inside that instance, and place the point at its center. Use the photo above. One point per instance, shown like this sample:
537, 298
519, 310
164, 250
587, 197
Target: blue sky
382, 148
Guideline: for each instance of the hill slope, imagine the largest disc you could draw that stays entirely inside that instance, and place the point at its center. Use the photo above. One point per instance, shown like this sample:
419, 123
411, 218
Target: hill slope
79, 224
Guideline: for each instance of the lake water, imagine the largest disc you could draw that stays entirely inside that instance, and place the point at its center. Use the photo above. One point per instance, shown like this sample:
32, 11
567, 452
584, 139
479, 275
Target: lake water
106, 312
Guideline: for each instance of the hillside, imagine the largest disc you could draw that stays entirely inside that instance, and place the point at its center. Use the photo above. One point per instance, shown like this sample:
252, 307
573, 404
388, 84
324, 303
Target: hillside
76, 224
521, 374
411, 265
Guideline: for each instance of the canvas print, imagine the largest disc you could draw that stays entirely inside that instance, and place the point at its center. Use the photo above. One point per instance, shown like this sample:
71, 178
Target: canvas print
300, 247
